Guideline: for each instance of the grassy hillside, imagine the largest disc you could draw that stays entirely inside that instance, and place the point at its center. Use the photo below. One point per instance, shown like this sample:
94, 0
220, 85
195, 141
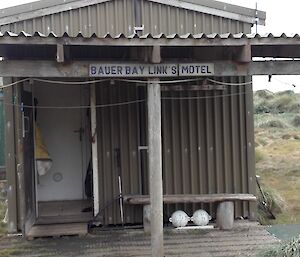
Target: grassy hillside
277, 136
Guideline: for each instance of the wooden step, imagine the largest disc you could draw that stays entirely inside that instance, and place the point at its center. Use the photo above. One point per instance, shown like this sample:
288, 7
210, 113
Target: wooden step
56, 230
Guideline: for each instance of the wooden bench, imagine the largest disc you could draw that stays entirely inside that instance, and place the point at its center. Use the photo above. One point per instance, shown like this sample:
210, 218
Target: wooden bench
225, 209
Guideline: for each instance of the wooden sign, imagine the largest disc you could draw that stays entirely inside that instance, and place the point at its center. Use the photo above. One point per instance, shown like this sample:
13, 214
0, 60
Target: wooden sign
151, 70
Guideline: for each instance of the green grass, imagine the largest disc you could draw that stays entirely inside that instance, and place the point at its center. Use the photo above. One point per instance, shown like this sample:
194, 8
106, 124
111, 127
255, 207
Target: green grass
278, 164
277, 141
286, 249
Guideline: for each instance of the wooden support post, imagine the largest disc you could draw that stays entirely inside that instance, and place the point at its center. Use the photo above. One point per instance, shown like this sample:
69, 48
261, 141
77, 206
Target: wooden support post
225, 215
10, 158
146, 218
244, 55
155, 168
94, 150
60, 54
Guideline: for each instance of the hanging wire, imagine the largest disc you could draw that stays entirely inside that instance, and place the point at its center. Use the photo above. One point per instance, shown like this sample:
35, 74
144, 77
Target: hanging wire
159, 81
123, 80
126, 102
77, 107
70, 82
285, 83
202, 97
230, 84
14, 83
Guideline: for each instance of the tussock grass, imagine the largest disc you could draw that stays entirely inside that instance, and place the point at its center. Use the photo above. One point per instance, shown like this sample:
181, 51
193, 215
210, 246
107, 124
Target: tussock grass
281, 102
286, 249
274, 204
274, 123
259, 155
296, 121
3, 207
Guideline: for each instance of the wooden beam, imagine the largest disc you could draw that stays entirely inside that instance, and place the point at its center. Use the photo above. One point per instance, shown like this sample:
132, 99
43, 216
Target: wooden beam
190, 198
80, 69
169, 41
155, 168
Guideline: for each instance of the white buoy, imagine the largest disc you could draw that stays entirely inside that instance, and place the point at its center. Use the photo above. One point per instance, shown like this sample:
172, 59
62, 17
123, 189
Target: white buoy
201, 218
179, 219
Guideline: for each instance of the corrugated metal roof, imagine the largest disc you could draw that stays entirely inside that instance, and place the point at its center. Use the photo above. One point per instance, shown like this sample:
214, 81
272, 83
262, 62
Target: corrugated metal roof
262, 45
48, 7
157, 36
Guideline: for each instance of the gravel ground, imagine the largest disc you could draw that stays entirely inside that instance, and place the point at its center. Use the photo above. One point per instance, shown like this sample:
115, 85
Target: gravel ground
244, 240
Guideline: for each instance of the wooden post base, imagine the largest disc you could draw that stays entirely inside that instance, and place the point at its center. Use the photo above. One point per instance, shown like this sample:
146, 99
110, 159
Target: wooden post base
225, 215
146, 218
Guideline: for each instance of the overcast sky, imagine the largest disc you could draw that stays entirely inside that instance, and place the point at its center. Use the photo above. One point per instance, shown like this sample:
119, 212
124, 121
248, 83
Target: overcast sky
282, 16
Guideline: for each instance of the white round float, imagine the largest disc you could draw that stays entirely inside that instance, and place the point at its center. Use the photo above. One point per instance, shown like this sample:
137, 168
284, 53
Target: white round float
179, 219
200, 218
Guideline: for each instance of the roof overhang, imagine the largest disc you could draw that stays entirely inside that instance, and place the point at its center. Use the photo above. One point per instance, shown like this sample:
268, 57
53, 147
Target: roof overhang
240, 62
261, 45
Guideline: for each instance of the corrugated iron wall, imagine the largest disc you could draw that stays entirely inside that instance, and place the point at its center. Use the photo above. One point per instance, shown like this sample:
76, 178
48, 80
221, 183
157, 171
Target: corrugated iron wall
118, 16
207, 146
118, 129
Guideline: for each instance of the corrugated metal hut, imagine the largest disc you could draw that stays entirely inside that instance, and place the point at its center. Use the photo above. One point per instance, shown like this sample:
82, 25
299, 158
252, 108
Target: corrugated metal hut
207, 124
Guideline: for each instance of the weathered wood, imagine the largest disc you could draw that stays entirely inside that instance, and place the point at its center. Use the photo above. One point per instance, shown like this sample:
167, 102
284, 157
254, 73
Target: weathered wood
94, 150
147, 218
80, 69
10, 160
225, 215
155, 168
58, 230
60, 54
188, 198
156, 58
244, 54
19, 157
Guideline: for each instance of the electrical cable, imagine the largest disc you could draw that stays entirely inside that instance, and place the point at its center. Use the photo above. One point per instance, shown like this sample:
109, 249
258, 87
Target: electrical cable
285, 83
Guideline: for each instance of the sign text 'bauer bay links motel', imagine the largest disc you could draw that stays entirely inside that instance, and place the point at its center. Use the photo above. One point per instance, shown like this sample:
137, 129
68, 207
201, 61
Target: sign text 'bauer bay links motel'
151, 70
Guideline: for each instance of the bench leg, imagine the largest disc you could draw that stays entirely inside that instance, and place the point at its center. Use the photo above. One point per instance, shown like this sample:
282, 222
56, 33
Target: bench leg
225, 215
146, 218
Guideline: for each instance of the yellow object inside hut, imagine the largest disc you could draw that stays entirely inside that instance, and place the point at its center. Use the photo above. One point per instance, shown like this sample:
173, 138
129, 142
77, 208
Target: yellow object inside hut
42, 157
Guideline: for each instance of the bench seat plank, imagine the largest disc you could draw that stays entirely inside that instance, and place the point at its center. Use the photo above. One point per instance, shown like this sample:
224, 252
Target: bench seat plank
190, 198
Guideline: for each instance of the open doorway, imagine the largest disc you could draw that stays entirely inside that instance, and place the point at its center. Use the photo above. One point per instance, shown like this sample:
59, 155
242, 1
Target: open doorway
64, 126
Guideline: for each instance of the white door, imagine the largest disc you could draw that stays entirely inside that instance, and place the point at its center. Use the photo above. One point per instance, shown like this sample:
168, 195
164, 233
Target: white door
64, 134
